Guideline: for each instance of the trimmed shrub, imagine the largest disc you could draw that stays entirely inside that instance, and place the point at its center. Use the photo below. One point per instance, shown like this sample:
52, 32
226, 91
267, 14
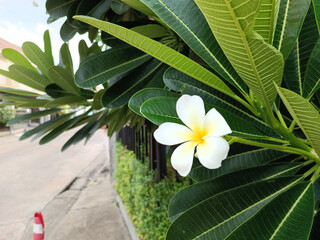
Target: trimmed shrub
6, 114
146, 201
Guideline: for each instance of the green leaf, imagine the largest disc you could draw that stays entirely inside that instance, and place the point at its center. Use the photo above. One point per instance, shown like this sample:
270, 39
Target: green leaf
54, 91
257, 63
196, 193
296, 63
179, 82
61, 128
151, 30
195, 32
66, 59
160, 109
81, 133
316, 6
237, 162
137, 4
120, 93
312, 80
67, 31
305, 115
266, 19
18, 91
141, 96
163, 53
119, 7
93, 8
315, 232
64, 79
83, 49
58, 8
97, 99
31, 116
103, 66
17, 58
289, 216
46, 126
28, 77
214, 219
37, 56
47, 46
290, 19
67, 100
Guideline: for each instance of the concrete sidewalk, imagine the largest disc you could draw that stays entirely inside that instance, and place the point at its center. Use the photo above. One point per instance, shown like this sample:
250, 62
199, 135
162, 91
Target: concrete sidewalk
72, 189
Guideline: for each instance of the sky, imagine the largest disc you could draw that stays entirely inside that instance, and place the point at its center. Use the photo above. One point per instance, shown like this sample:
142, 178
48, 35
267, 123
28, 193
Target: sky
21, 21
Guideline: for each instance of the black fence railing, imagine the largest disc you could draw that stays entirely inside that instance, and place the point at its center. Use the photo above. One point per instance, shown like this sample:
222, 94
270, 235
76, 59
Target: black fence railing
145, 147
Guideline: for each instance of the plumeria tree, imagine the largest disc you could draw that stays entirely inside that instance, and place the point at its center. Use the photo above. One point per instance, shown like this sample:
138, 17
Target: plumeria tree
236, 84
253, 62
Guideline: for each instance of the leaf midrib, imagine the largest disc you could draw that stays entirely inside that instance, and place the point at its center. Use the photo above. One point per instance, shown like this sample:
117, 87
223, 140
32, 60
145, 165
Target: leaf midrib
289, 212
202, 44
251, 206
247, 48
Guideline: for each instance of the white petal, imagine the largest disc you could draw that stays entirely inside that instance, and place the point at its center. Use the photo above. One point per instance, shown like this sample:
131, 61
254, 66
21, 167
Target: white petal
212, 151
182, 158
172, 133
190, 110
215, 124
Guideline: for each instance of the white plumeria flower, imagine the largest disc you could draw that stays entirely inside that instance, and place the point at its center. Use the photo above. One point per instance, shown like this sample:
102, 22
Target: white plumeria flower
202, 131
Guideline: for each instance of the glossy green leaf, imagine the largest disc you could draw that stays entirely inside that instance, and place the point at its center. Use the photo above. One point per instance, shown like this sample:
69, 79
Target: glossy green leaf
58, 8
316, 5
93, 8
179, 82
54, 91
34, 115
266, 19
315, 232
258, 63
151, 30
36, 103
47, 46
66, 59
196, 193
312, 80
237, 162
137, 4
215, 219
17, 58
307, 117
101, 67
97, 99
120, 93
28, 77
18, 91
141, 96
37, 56
66, 100
289, 23
163, 53
46, 126
83, 49
289, 216
64, 79
119, 7
67, 31
296, 63
195, 32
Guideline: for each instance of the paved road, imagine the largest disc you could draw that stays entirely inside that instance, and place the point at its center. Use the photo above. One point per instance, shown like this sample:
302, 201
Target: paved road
32, 175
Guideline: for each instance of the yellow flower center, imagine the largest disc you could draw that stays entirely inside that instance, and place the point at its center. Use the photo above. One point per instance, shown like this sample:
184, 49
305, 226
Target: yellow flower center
198, 136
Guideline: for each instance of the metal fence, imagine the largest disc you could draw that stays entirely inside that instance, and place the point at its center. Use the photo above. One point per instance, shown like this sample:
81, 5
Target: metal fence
145, 147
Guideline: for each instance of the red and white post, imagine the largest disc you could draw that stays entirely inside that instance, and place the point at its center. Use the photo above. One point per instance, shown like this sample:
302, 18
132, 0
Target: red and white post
38, 227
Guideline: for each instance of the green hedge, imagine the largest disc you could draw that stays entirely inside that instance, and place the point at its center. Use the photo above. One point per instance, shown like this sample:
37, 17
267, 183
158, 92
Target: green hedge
6, 114
145, 200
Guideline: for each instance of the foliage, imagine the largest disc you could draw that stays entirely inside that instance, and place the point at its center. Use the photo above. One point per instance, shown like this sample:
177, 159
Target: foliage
6, 114
254, 61
145, 200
